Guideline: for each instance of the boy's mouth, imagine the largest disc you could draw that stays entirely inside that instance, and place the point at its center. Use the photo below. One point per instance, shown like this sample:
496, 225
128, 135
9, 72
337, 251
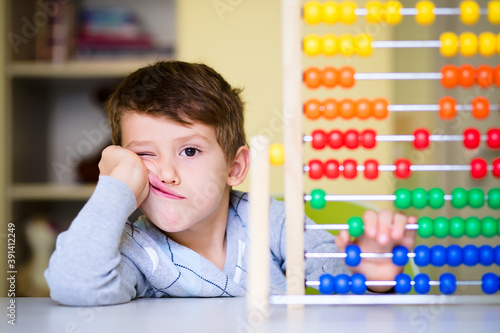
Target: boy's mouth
157, 187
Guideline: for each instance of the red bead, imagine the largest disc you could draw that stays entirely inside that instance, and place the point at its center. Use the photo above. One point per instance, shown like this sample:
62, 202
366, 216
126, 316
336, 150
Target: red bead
331, 169
484, 76
449, 76
480, 107
335, 139
467, 76
496, 75
368, 138
496, 167
402, 168
350, 169
421, 140
472, 138
351, 139
315, 169
371, 169
493, 138
318, 139
312, 77
478, 168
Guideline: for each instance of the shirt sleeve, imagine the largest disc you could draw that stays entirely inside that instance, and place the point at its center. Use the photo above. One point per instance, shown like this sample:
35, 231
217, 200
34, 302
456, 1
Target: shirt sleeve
86, 267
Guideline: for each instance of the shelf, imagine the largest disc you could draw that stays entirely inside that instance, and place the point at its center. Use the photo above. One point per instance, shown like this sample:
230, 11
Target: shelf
49, 192
113, 68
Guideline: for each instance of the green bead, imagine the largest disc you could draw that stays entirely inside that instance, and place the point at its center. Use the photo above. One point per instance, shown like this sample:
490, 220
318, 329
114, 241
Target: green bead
457, 227
355, 226
476, 198
441, 227
425, 227
436, 198
318, 199
494, 198
489, 226
472, 227
459, 198
403, 198
419, 198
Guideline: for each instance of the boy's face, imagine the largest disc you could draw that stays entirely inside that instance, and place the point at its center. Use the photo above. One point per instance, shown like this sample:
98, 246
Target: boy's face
188, 173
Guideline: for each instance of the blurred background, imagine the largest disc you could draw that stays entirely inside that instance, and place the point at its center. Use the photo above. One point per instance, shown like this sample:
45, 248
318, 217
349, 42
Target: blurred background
61, 59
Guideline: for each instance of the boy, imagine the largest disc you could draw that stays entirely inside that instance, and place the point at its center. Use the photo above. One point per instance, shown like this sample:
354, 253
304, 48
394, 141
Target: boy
179, 148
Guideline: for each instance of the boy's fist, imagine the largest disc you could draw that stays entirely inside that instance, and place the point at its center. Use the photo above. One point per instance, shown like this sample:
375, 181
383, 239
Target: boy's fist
126, 166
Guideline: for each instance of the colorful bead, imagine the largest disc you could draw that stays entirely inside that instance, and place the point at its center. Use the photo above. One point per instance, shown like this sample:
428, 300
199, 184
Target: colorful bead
312, 45
358, 284
472, 138
312, 77
484, 76
425, 12
490, 283
318, 139
454, 255
496, 70
447, 108
392, 13
276, 154
436, 198
380, 106
487, 44
468, 44
441, 227
496, 168
347, 108
315, 169
403, 166
493, 140
364, 108
472, 227
371, 169
312, 12
335, 139
470, 255
419, 198
331, 169
494, 198
331, 12
342, 284
449, 44
489, 226
329, 45
469, 12
422, 255
351, 139
480, 107
331, 110
400, 255
330, 77
457, 227
312, 109
353, 255
346, 45
346, 76
363, 45
449, 76
438, 255
318, 199
459, 197
478, 168
326, 284
348, 12
368, 138
467, 76
475, 198
350, 169
422, 285
421, 140
447, 283
356, 227
403, 198
486, 255
494, 12
374, 11
497, 255
425, 227
403, 283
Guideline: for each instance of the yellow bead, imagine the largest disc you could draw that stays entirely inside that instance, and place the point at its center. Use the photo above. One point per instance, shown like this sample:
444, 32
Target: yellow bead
392, 12
331, 12
312, 45
468, 44
425, 12
330, 45
374, 11
363, 44
487, 44
498, 43
313, 12
347, 45
347, 12
449, 44
494, 12
469, 12
276, 154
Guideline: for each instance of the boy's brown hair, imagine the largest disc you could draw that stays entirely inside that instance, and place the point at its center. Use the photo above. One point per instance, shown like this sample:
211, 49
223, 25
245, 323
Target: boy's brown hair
185, 93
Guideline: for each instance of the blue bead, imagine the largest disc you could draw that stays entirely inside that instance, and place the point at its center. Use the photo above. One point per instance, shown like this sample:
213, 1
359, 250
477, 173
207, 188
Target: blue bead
342, 284
447, 283
403, 283
454, 255
422, 255
326, 284
497, 255
358, 284
471, 255
422, 285
486, 255
490, 283
353, 257
400, 255
438, 255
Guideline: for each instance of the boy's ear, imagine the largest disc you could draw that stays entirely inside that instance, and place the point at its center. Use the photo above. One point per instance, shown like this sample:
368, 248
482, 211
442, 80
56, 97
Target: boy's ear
239, 168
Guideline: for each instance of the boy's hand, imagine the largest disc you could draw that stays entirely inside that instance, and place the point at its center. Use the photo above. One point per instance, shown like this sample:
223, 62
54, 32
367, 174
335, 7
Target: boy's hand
126, 166
382, 232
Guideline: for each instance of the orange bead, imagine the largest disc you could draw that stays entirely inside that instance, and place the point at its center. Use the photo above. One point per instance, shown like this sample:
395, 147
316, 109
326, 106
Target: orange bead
449, 76
467, 76
312, 109
480, 107
484, 76
331, 110
447, 108
496, 75
330, 77
364, 108
346, 76
380, 106
347, 109
312, 77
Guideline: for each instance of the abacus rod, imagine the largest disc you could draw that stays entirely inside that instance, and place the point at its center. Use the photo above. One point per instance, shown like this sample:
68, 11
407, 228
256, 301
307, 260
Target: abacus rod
411, 137
375, 283
414, 11
398, 76
341, 255
346, 226
422, 167
367, 197
397, 44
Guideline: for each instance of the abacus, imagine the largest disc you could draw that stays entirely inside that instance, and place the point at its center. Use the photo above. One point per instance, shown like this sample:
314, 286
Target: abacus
467, 44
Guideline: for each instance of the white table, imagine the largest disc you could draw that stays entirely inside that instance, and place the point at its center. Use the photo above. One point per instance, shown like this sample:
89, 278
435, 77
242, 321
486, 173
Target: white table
229, 315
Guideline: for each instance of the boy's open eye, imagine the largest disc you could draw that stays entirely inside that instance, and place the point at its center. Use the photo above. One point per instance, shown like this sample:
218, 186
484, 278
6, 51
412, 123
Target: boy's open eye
190, 152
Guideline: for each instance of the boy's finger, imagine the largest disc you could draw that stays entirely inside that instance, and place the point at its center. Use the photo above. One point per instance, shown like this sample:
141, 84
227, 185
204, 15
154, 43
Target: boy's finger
370, 224
342, 240
399, 224
384, 226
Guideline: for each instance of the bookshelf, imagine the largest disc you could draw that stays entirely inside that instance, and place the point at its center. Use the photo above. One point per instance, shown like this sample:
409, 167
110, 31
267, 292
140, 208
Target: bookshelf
51, 117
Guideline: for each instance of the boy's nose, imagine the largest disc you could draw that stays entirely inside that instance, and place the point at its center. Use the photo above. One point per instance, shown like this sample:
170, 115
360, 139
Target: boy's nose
167, 173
